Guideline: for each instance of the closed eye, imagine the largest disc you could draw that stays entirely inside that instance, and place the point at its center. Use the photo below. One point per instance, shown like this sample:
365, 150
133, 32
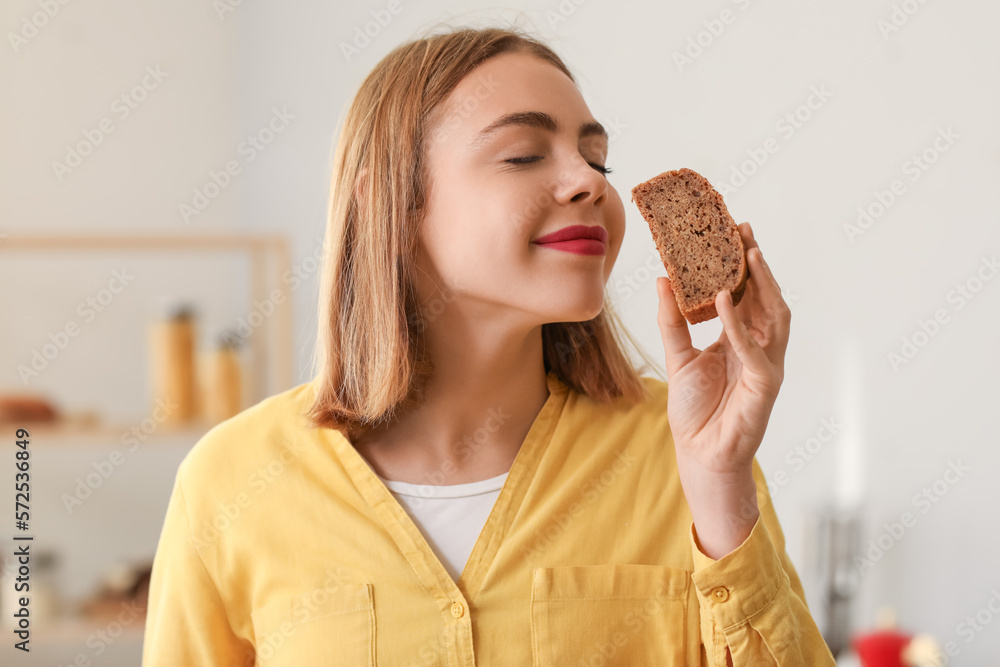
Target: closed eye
535, 158
524, 160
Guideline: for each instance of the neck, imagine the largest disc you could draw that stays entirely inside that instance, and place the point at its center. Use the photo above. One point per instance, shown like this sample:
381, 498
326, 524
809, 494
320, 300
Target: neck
475, 412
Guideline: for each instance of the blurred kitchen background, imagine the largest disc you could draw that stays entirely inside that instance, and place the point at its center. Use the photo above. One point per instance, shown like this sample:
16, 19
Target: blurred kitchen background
163, 196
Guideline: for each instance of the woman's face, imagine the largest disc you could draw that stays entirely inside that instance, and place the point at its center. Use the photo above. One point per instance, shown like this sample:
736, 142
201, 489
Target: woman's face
493, 192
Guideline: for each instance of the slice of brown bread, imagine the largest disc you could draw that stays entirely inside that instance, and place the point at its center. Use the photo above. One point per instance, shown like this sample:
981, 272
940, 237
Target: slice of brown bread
698, 240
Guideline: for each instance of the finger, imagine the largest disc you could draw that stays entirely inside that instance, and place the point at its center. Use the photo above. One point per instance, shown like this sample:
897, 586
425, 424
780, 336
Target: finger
746, 235
773, 317
749, 243
747, 302
677, 348
767, 292
762, 279
747, 349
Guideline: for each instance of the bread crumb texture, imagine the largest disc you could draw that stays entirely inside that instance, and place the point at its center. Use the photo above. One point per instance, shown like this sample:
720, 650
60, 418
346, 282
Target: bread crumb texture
697, 239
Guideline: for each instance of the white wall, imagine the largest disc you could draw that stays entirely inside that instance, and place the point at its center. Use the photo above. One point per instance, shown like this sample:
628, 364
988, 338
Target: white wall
853, 301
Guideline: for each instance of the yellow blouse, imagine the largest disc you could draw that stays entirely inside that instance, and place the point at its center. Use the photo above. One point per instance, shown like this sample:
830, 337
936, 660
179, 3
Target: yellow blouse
282, 547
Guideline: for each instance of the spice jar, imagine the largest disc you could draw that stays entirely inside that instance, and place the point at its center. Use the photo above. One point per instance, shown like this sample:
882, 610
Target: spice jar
172, 358
224, 379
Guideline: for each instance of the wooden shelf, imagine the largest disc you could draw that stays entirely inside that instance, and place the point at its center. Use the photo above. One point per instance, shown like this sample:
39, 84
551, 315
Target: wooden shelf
277, 361
76, 629
89, 426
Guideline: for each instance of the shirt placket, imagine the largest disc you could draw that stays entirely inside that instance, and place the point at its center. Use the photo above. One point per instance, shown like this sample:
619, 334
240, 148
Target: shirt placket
452, 603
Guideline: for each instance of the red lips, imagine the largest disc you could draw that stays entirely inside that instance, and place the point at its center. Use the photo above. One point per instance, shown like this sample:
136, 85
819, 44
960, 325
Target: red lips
576, 239
572, 232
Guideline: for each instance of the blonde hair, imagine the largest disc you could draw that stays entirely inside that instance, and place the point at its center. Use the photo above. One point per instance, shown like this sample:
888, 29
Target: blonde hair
369, 354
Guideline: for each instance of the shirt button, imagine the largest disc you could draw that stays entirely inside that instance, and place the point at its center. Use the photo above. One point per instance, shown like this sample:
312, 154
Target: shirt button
457, 610
720, 593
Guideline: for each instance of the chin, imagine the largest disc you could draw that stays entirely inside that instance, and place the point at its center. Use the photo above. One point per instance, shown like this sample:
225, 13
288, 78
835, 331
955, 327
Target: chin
586, 309
592, 314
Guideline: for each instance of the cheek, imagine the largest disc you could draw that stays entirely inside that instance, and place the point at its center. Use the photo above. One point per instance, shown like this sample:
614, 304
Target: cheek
615, 222
484, 223
473, 245
615, 213
476, 233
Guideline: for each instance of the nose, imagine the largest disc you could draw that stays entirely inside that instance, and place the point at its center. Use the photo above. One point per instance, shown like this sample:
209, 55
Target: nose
579, 182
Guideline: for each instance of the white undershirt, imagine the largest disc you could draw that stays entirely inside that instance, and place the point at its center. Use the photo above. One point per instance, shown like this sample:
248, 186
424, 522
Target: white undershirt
450, 517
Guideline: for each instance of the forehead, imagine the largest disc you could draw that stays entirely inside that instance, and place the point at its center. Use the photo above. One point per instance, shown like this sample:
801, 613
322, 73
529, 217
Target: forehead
509, 83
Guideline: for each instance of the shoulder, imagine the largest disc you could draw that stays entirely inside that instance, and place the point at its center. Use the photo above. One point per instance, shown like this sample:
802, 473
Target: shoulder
222, 460
654, 402
621, 420
657, 388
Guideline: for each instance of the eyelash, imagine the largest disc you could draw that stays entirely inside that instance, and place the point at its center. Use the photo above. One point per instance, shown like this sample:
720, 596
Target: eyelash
527, 160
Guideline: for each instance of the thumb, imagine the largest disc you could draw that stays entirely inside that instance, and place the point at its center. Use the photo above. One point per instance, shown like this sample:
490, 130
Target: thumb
677, 348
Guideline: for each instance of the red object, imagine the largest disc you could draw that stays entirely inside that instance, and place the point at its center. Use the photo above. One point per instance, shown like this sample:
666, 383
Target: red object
577, 246
576, 232
881, 649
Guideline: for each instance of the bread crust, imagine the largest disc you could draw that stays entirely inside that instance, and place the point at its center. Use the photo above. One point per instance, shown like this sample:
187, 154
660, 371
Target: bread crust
685, 214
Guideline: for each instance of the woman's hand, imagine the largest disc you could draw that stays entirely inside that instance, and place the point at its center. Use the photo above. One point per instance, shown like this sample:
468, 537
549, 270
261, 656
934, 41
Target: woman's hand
720, 399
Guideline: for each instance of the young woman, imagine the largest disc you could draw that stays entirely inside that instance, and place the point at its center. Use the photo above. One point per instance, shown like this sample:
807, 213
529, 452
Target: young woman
478, 475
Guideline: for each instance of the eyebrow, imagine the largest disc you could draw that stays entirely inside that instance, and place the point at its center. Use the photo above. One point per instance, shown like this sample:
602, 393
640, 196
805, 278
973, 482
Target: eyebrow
537, 119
